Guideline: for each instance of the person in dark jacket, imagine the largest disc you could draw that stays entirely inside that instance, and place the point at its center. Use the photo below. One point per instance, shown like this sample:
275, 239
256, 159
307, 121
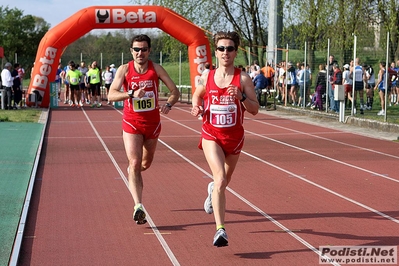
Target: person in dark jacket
16, 86
336, 79
260, 82
321, 82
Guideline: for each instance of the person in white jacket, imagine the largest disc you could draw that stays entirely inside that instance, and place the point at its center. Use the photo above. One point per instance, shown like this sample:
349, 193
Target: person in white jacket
7, 82
108, 77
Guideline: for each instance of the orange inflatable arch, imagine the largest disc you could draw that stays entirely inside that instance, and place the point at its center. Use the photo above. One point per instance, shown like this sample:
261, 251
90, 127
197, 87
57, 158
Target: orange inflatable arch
113, 17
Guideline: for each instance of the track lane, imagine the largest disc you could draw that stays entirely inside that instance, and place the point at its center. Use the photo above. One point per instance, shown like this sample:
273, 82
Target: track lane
364, 182
341, 203
80, 204
202, 211
185, 226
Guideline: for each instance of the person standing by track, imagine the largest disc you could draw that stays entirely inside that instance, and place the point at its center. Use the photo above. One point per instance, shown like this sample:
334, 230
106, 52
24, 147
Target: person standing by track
141, 113
7, 83
73, 77
83, 84
94, 82
226, 92
381, 85
108, 77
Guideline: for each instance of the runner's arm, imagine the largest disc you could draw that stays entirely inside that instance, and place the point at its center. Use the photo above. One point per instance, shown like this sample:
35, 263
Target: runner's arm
198, 95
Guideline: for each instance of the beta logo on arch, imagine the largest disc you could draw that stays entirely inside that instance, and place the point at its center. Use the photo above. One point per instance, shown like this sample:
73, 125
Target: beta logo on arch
119, 15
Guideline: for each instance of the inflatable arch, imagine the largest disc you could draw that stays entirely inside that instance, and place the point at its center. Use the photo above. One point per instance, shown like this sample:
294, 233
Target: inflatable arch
113, 17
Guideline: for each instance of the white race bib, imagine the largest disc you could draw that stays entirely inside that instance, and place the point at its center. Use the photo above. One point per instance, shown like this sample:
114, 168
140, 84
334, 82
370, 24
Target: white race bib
223, 115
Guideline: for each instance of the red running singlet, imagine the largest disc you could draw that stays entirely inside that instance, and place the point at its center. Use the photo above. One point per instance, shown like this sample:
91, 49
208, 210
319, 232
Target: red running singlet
141, 115
145, 108
223, 115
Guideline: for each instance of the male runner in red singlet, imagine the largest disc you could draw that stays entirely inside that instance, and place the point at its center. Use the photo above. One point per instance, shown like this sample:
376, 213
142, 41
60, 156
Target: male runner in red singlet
141, 113
227, 92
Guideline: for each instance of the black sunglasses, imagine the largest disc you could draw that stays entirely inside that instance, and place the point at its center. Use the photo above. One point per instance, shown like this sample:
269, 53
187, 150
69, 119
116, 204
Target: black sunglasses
228, 48
137, 49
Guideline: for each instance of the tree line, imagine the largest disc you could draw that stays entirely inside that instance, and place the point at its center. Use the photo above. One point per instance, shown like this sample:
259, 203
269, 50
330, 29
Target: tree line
304, 21
20, 35
311, 21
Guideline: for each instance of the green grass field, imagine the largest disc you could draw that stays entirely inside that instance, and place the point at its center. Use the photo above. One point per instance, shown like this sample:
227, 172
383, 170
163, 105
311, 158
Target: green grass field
22, 115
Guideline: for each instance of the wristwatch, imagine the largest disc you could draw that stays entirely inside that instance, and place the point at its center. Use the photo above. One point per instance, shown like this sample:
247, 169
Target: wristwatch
243, 97
130, 93
169, 106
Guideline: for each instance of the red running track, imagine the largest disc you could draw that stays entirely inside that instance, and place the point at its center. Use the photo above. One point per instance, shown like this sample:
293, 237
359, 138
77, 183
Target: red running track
297, 186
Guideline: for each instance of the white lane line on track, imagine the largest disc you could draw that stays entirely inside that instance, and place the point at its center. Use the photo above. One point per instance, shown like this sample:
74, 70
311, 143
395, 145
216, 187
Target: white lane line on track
304, 179
165, 246
315, 136
316, 154
327, 139
304, 242
324, 157
173, 259
324, 188
285, 229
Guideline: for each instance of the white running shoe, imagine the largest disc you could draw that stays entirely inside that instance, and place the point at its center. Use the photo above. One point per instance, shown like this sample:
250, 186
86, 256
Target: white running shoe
208, 201
382, 112
220, 239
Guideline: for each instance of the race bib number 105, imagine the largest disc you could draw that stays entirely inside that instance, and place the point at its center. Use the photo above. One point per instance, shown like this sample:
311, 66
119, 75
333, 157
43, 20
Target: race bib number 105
223, 115
143, 104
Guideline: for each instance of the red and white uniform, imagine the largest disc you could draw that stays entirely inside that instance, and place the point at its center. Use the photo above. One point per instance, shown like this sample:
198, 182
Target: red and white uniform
223, 115
141, 115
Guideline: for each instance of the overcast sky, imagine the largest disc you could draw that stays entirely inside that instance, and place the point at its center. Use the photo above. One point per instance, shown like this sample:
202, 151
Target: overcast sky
56, 11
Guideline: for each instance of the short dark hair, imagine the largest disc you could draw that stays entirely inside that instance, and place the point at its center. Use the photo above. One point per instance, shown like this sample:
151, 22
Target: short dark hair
141, 38
231, 35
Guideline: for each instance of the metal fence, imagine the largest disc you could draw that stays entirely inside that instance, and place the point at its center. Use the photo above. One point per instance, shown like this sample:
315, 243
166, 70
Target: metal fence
371, 56
367, 56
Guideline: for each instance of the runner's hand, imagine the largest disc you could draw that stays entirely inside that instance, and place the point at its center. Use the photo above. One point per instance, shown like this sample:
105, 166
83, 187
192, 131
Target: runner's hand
197, 110
234, 91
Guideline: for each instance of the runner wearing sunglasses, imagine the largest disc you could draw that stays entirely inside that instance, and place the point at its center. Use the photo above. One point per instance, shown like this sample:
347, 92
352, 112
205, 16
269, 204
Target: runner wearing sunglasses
226, 93
141, 113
